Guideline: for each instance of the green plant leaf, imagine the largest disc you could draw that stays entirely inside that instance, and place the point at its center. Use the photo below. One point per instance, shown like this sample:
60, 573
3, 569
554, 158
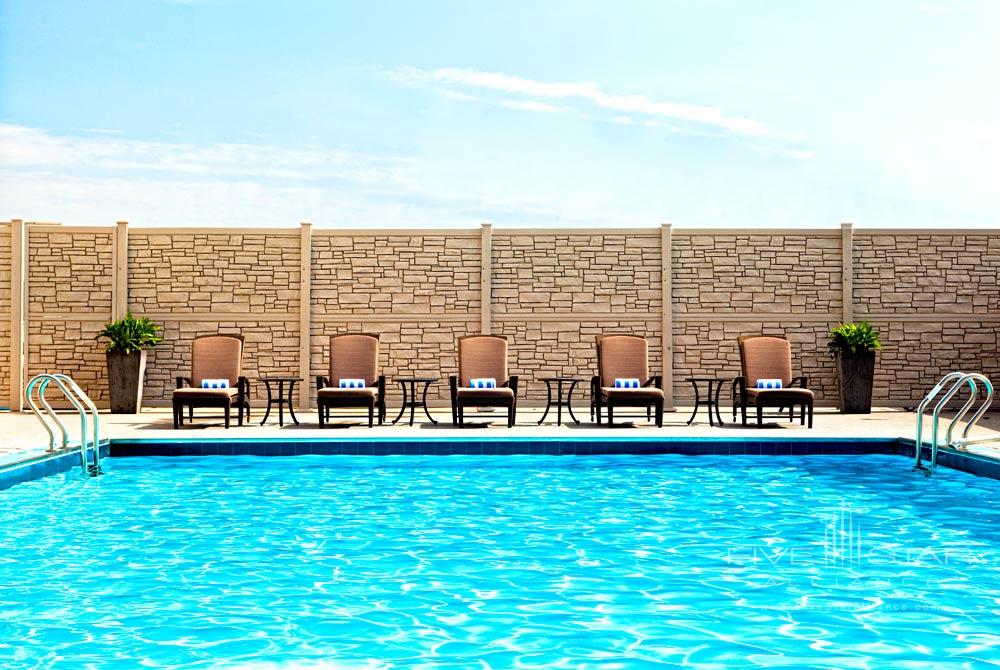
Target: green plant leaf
853, 338
130, 334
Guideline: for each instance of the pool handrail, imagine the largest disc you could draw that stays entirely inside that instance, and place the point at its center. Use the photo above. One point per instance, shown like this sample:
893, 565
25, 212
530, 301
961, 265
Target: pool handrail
951, 376
37, 385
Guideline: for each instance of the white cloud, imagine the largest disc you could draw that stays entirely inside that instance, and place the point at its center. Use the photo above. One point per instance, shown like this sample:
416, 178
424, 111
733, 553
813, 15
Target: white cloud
25, 147
101, 178
585, 92
533, 106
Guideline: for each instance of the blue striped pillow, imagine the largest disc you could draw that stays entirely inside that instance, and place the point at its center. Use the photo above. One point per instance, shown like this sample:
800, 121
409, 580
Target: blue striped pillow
483, 383
769, 384
352, 383
626, 383
215, 383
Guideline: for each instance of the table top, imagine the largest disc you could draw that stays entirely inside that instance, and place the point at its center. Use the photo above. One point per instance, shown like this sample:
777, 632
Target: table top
709, 379
279, 378
416, 379
561, 379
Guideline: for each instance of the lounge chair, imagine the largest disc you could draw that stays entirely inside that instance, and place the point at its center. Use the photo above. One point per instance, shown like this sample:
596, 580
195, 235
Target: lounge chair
352, 357
622, 357
216, 358
765, 357
482, 357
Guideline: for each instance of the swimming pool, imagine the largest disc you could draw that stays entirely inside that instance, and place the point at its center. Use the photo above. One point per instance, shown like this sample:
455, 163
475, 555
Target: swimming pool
522, 561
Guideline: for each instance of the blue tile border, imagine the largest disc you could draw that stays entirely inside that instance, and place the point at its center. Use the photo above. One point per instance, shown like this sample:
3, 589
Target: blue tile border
491, 446
64, 461
43, 465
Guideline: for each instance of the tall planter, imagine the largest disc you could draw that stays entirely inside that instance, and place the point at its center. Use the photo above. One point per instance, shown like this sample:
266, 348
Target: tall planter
856, 373
126, 374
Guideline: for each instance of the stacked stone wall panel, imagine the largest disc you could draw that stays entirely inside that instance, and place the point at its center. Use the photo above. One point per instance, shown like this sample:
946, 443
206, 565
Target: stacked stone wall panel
552, 293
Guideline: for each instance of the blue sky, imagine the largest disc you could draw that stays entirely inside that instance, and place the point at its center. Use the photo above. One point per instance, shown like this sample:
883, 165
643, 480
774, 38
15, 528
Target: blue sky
410, 114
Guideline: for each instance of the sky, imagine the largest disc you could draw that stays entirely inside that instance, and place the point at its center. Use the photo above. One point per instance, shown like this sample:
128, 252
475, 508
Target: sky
707, 113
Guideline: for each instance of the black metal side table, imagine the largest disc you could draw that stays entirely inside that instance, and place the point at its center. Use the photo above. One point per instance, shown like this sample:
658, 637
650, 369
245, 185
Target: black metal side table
282, 399
711, 401
409, 386
559, 402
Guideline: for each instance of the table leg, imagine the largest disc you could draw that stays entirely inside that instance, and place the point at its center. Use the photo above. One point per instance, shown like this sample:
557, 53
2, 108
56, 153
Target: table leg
697, 401
718, 392
548, 401
267, 413
569, 402
559, 403
708, 403
291, 410
413, 400
402, 408
281, 403
427, 386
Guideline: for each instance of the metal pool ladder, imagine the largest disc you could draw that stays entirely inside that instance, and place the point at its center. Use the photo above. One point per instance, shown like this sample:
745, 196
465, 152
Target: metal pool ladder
34, 395
951, 384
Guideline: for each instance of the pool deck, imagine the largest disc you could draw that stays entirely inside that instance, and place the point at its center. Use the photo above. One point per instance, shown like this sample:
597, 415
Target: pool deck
26, 439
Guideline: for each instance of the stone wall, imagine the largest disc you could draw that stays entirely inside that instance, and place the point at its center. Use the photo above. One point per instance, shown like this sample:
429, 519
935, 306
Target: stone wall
395, 274
576, 273
69, 299
204, 273
726, 273
932, 294
5, 294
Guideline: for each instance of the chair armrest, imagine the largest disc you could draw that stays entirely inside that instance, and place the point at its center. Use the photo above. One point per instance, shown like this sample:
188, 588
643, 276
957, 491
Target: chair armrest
453, 386
243, 386
655, 380
741, 384
801, 381
512, 384
184, 381
322, 382
381, 386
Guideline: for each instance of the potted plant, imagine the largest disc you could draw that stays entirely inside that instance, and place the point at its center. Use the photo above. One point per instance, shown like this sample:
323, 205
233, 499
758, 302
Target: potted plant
853, 345
127, 340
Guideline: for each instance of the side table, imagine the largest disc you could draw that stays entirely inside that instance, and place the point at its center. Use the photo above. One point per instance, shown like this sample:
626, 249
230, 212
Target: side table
409, 385
282, 398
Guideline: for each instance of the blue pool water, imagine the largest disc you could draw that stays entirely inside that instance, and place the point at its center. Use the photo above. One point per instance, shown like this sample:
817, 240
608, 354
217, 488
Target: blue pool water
501, 562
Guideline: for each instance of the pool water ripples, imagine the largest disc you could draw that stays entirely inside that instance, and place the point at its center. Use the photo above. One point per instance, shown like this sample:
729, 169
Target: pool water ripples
501, 562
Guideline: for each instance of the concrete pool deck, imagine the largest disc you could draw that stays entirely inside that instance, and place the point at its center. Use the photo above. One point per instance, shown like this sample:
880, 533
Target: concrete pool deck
24, 438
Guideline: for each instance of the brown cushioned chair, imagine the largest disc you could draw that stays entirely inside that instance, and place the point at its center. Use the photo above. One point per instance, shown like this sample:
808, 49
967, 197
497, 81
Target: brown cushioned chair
770, 357
482, 356
213, 357
352, 356
624, 357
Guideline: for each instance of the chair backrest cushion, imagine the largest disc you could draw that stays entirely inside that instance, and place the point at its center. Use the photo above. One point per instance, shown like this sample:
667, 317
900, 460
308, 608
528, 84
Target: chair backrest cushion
354, 356
766, 357
622, 357
482, 356
216, 357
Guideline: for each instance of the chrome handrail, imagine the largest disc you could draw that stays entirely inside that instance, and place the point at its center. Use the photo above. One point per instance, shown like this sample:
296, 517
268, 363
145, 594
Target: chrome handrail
923, 405
95, 424
29, 398
959, 380
37, 385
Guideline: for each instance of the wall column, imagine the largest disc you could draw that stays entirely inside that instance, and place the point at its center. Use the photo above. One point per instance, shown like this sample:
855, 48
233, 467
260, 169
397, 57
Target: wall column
18, 309
305, 316
119, 285
847, 271
667, 322
486, 281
